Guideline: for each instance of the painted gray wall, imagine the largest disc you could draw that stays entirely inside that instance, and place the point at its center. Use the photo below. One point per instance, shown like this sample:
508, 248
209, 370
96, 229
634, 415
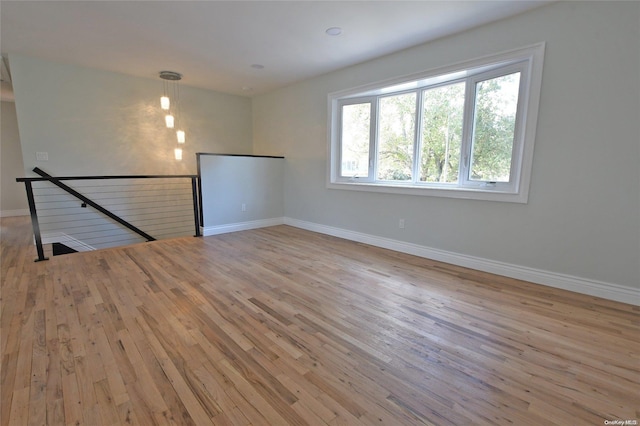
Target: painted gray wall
13, 198
228, 182
95, 122
583, 214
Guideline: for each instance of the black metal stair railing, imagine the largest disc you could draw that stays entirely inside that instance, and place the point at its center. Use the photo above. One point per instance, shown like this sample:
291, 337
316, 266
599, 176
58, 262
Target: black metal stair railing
96, 206
113, 209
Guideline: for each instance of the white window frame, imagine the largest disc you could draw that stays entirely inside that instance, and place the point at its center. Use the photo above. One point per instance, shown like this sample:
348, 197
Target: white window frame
372, 134
527, 60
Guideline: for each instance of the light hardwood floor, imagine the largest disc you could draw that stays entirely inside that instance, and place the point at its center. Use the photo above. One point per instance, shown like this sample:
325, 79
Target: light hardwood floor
282, 326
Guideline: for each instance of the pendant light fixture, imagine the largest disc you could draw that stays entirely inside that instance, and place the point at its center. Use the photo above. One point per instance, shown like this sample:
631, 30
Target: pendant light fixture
165, 102
170, 102
169, 120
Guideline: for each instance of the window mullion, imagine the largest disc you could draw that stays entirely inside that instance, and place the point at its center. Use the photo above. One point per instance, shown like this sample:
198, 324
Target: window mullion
417, 140
373, 141
467, 132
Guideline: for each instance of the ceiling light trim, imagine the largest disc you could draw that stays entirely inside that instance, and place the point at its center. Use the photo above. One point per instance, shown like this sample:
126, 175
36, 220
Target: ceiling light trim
170, 75
333, 31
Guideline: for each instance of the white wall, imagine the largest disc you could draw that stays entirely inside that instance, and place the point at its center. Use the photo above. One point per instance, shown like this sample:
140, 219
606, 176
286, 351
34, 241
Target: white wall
582, 221
241, 192
13, 198
95, 122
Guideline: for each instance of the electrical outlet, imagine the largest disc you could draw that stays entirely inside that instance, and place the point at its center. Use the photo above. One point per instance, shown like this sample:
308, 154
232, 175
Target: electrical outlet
401, 224
243, 207
42, 156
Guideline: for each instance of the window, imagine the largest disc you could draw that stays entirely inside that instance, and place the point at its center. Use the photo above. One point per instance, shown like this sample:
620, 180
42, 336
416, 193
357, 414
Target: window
355, 139
464, 131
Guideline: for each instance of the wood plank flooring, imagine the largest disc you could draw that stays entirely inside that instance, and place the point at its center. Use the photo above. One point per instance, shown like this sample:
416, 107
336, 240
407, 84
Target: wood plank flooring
281, 326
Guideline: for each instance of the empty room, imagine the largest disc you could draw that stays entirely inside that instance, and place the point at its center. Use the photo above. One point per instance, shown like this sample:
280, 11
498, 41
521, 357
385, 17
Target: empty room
320, 213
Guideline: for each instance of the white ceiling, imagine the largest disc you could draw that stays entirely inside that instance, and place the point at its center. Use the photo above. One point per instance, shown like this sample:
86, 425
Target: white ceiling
215, 43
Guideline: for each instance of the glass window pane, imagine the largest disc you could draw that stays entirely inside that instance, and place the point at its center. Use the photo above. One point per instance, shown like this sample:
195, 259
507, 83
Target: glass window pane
356, 126
494, 128
442, 122
396, 135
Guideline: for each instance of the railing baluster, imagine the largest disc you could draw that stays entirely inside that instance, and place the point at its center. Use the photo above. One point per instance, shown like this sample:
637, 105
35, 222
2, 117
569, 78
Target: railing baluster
196, 208
34, 222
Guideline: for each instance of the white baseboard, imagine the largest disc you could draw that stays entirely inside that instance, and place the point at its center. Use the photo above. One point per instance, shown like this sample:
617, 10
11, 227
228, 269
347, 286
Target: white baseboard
241, 226
552, 279
9, 213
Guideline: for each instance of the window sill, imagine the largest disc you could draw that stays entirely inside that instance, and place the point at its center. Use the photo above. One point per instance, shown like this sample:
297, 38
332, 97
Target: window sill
450, 192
